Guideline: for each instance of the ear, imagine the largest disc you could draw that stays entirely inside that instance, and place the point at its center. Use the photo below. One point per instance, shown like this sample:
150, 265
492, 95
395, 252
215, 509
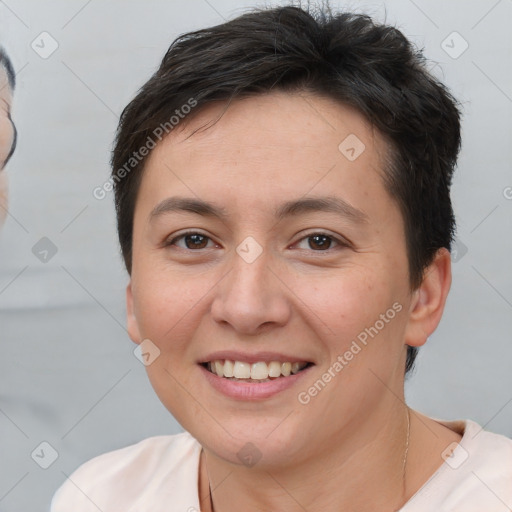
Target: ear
131, 320
428, 300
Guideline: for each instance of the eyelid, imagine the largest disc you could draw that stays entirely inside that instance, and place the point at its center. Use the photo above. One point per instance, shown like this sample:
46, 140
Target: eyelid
169, 241
338, 239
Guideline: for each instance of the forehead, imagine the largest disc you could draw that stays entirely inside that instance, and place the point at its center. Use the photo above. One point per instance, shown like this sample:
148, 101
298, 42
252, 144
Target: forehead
282, 127
274, 144
298, 120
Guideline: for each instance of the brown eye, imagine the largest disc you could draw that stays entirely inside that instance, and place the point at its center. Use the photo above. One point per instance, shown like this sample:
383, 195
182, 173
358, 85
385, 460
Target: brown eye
196, 241
190, 241
319, 242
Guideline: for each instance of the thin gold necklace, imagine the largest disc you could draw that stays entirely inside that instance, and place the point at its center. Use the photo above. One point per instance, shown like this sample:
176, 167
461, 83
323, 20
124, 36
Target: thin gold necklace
404, 464
405, 455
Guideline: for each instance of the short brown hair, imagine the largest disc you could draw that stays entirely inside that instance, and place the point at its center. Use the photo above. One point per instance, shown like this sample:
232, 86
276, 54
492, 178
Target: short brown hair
347, 57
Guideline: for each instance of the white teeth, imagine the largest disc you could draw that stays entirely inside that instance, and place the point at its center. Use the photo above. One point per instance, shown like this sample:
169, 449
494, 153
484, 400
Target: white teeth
286, 369
228, 368
242, 370
274, 369
260, 371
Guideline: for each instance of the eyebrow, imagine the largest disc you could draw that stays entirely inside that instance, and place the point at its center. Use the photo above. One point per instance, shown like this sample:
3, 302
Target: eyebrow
186, 204
295, 207
321, 204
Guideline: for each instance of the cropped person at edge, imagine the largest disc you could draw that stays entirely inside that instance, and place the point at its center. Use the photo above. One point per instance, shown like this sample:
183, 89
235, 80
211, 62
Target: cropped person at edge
7, 127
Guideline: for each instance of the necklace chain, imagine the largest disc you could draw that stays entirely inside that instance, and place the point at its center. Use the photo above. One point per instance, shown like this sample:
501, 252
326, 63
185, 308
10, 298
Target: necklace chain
404, 464
405, 453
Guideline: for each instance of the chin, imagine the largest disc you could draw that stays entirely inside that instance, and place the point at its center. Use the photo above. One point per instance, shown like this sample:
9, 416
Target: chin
272, 444
269, 453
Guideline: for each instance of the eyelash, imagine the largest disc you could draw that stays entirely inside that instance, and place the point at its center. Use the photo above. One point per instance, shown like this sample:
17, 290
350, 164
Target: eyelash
339, 243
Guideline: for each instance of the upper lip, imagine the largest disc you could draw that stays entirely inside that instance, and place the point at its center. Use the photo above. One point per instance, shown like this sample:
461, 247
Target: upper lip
256, 357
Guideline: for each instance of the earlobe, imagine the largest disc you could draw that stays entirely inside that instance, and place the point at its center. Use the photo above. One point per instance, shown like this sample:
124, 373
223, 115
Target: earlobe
429, 299
131, 319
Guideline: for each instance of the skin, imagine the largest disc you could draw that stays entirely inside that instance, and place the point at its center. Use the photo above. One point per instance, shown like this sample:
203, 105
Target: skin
6, 139
345, 449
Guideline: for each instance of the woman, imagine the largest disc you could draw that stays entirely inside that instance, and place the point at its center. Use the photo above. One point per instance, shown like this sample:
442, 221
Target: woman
7, 128
282, 193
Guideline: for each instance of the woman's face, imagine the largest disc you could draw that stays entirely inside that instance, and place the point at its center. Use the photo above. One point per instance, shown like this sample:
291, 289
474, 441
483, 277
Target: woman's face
6, 138
271, 275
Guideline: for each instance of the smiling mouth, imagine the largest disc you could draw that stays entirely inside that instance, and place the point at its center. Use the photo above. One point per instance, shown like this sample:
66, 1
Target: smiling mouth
240, 371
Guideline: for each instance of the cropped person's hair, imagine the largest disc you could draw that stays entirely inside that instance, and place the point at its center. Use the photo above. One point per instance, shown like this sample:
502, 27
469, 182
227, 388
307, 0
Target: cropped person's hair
6, 64
346, 57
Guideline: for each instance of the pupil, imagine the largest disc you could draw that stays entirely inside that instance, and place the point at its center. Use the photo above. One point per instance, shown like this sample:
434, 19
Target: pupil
196, 241
319, 242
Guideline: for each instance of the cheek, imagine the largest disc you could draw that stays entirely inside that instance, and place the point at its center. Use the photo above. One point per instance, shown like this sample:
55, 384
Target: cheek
358, 315
168, 307
346, 301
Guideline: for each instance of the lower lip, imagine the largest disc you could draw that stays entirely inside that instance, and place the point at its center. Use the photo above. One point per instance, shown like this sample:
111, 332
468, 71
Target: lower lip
252, 390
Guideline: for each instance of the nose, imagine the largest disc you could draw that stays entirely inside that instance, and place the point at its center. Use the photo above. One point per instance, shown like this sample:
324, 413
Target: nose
251, 298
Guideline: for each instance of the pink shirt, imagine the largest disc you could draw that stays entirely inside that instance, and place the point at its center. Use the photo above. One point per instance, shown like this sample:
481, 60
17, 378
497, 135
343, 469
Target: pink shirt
160, 474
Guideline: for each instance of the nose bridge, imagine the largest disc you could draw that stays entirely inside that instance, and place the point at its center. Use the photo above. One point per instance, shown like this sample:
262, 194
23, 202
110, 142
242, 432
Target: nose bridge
252, 277
250, 295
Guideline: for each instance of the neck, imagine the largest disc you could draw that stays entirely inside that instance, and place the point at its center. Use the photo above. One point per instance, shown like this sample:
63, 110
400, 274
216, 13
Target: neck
363, 468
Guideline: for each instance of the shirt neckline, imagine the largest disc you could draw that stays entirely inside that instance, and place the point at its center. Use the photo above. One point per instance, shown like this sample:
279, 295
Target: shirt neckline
461, 427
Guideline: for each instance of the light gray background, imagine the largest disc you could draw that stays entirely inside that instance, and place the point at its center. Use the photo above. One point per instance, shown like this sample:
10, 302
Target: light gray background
67, 369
